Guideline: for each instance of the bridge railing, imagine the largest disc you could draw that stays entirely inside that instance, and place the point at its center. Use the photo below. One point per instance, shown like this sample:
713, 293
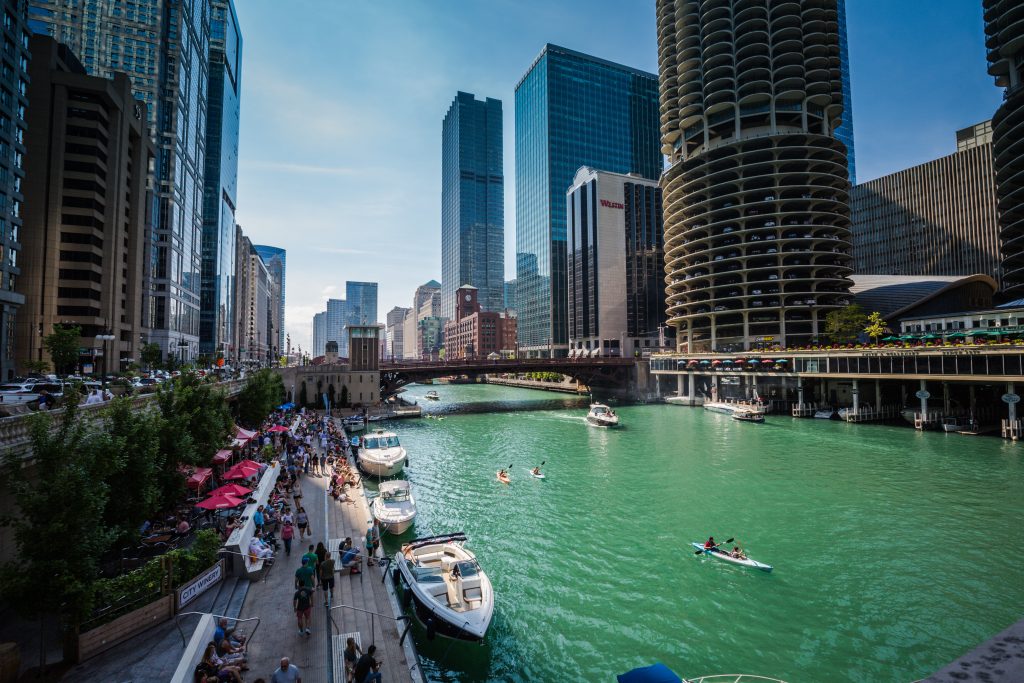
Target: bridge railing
456, 363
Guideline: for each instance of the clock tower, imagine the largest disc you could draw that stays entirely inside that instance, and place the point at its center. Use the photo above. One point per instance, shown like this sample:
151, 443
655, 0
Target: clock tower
466, 303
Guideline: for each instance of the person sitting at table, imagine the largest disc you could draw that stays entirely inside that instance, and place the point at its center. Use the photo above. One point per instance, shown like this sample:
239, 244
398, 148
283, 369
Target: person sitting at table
183, 527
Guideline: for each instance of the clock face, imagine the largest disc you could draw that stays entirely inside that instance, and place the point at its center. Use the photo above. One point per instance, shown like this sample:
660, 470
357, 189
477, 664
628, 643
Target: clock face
469, 297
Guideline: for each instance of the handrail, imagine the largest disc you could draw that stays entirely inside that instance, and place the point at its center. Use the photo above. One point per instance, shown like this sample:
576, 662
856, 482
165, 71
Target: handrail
217, 616
372, 614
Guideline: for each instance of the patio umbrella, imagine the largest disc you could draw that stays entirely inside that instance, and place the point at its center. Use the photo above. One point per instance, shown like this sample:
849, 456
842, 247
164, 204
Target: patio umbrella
977, 333
230, 490
727, 362
277, 429
739, 361
249, 464
929, 337
286, 406
956, 335
220, 502
782, 360
890, 338
908, 337
656, 673
754, 361
995, 333
199, 477
715, 362
705, 362
239, 472
221, 456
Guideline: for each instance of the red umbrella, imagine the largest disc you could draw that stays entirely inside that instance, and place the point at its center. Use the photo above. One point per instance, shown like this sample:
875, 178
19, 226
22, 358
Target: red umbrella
220, 503
199, 477
239, 472
249, 465
231, 490
277, 429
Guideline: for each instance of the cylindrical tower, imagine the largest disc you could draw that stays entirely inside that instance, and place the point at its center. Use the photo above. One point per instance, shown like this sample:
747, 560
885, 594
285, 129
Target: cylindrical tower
1004, 42
757, 217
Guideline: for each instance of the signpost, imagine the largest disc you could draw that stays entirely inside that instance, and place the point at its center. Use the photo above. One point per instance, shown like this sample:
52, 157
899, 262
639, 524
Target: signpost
197, 586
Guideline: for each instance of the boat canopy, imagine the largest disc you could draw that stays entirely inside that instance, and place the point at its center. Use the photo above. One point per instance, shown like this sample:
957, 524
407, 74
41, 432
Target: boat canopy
456, 537
380, 441
655, 673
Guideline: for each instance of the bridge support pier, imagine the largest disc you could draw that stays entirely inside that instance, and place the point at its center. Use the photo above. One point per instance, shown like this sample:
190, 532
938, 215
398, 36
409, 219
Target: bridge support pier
856, 396
878, 394
1011, 407
924, 400
945, 398
799, 393
679, 384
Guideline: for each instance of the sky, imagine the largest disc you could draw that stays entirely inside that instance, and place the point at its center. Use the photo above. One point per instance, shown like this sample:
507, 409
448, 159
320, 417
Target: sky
342, 104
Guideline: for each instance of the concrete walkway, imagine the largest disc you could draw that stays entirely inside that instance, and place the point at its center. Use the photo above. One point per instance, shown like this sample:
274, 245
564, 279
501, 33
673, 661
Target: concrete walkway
316, 655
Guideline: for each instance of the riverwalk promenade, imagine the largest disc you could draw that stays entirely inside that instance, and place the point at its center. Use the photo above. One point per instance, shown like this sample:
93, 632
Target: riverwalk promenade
361, 608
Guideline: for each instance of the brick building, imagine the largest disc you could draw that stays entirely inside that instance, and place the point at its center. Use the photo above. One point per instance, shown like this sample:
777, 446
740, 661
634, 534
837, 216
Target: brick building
475, 333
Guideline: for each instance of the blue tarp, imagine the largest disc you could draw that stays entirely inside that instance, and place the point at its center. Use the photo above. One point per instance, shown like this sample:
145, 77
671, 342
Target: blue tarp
655, 673
286, 406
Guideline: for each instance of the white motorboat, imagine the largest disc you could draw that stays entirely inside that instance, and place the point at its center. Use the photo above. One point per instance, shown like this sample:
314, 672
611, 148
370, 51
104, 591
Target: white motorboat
678, 400
452, 594
432, 396
747, 415
729, 408
381, 454
824, 414
354, 423
601, 415
395, 508
959, 424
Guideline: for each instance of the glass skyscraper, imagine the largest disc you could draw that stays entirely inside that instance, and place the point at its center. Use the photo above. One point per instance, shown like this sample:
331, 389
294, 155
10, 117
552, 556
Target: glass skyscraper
361, 303
572, 110
220, 183
276, 260
164, 46
845, 130
472, 202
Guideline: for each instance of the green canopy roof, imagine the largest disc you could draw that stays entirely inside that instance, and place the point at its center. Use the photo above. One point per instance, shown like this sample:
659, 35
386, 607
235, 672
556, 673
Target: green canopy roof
956, 335
977, 333
891, 338
929, 336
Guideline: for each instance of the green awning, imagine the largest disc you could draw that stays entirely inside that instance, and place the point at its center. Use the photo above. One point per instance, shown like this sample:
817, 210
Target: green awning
929, 337
977, 333
996, 333
890, 338
908, 337
956, 335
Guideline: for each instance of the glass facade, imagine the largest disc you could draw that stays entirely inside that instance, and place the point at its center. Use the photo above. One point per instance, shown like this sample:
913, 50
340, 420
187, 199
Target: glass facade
164, 46
277, 262
472, 202
361, 299
845, 130
572, 110
220, 183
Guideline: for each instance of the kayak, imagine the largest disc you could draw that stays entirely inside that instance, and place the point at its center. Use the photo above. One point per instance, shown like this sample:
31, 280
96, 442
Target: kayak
504, 479
735, 560
536, 476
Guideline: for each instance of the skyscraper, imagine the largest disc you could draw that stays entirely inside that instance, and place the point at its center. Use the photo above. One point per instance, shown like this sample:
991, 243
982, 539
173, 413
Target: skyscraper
572, 110
319, 334
845, 130
757, 214
12, 107
164, 46
276, 260
220, 182
1005, 42
335, 324
472, 202
361, 300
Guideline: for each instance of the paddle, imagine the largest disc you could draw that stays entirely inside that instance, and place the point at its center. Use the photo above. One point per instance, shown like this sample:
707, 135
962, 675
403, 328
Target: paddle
714, 547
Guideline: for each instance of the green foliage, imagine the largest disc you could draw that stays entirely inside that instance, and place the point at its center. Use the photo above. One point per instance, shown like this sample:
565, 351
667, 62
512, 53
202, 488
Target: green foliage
134, 446
343, 400
35, 366
544, 376
151, 355
876, 326
195, 423
60, 530
843, 325
263, 391
63, 347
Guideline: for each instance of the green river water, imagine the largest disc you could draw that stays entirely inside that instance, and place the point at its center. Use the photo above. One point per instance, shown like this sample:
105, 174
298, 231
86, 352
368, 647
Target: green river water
894, 551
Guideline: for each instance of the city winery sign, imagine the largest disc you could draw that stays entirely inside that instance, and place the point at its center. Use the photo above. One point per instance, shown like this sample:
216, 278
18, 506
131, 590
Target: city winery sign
612, 205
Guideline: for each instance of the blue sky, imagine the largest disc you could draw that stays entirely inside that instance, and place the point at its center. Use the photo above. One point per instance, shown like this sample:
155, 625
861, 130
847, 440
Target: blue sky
342, 103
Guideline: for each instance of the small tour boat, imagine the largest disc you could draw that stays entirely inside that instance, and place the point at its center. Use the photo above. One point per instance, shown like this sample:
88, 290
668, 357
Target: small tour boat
824, 414
745, 415
432, 396
724, 555
381, 454
376, 418
452, 594
678, 400
395, 508
959, 424
354, 423
601, 415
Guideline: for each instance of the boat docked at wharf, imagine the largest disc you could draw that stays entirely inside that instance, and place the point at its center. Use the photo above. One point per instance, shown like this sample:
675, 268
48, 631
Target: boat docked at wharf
354, 423
748, 415
381, 454
824, 414
395, 508
601, 415
453, 596
728, 408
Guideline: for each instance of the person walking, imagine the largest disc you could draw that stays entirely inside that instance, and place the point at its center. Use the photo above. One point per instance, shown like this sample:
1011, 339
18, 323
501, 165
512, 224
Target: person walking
302, 603
302, 520
327, 579
287, 673
304, 574
287, 532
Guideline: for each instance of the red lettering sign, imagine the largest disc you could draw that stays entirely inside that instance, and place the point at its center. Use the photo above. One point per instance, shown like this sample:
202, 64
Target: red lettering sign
611, 205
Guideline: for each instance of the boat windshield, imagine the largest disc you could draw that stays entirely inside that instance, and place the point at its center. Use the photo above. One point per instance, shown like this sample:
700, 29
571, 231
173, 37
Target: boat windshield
599, 410
396, 496
425, 574
468, 568
371, 442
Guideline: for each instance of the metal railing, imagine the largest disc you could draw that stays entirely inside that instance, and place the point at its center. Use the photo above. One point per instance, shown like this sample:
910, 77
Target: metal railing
248, 639
373, 615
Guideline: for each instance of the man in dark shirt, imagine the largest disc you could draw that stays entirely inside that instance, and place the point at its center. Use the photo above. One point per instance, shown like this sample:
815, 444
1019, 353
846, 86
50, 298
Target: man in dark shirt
302, 603
367, 668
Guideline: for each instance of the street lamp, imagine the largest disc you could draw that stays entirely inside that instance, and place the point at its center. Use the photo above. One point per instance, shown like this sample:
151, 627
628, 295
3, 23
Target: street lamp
105, 337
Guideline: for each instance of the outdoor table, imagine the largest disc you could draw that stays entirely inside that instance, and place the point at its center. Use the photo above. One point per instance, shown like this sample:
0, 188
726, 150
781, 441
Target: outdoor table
152, 540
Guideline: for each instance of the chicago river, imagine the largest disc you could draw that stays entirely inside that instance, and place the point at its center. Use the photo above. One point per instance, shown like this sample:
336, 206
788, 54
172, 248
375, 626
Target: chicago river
895, 551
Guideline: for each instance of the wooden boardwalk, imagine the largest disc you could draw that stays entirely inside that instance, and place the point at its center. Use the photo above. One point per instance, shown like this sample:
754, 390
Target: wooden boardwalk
361, 605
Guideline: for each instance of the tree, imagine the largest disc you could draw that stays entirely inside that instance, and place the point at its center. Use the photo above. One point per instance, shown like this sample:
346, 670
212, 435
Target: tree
263, 392
151, 355
135, 449
195, 423
876, 326
38, 367
843, 325
63, 347
59, 528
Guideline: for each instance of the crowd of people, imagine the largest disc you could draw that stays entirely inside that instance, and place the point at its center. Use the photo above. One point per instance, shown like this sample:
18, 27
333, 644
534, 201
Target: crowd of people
313, 447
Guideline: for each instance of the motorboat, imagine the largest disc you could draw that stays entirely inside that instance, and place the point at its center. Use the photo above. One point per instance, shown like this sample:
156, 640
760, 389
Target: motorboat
728, 408
601, 415
747, 415
381, 454
452, 594
395, 508
354, 423
678, 400
824, 414
724, 555
432, 396
377, 418
959, 424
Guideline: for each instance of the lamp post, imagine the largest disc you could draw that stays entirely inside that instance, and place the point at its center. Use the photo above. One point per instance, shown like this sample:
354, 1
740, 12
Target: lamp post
105, 337
182, 347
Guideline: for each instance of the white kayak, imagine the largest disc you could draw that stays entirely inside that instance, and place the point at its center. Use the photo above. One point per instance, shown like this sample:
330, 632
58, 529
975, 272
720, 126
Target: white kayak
535, 476
735, 560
